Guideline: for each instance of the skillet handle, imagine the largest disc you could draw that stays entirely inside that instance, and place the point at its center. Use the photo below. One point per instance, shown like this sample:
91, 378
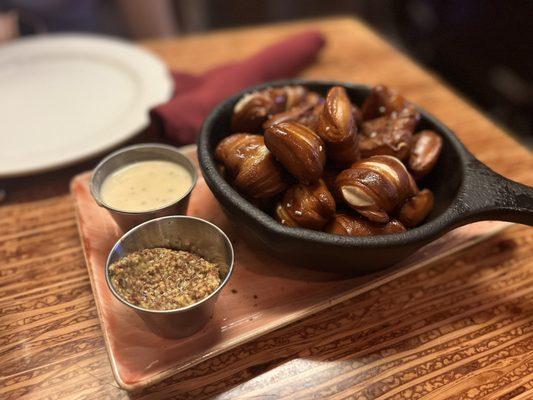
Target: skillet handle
487, 195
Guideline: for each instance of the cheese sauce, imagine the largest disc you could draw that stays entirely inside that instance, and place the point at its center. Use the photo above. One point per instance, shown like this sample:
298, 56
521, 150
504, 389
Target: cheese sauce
145, 185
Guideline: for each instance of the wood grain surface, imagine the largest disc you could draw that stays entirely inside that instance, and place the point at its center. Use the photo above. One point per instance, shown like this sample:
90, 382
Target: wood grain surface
460, 328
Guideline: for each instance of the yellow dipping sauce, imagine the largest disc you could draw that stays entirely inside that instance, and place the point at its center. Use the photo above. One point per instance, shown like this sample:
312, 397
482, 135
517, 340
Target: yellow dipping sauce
145, 186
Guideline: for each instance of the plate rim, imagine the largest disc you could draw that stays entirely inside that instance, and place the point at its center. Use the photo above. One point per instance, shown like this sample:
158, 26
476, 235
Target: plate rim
153, 92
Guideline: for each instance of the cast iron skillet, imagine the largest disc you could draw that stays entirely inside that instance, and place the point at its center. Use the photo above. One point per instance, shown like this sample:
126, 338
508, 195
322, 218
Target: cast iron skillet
465, 191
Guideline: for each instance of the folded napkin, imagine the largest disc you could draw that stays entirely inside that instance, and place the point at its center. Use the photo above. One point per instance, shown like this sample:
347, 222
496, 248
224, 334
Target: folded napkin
179, 120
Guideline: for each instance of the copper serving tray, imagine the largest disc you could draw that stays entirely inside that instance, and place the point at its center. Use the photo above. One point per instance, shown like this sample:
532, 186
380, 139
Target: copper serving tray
264, 294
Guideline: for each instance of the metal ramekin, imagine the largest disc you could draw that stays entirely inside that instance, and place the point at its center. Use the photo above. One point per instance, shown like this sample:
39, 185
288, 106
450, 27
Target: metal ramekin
182, 233
141, 152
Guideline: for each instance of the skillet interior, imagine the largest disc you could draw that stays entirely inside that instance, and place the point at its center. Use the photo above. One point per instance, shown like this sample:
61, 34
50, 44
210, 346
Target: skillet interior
318, 249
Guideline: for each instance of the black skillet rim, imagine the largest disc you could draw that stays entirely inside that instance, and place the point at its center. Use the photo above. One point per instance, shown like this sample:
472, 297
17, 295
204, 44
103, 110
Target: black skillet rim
218, 184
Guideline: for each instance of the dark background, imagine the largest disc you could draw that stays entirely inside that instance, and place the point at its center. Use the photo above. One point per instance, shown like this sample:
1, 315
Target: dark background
482, 48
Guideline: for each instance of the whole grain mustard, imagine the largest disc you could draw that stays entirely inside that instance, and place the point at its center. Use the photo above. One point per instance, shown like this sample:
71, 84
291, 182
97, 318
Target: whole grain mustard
164, 279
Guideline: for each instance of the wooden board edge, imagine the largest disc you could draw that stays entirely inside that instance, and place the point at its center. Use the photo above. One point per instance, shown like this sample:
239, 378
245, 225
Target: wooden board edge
114, 366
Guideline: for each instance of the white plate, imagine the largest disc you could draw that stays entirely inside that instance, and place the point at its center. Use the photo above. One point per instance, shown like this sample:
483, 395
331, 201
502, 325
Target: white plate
65, 98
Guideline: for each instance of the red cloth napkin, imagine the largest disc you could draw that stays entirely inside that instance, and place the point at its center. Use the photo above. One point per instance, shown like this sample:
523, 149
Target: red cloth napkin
180, 119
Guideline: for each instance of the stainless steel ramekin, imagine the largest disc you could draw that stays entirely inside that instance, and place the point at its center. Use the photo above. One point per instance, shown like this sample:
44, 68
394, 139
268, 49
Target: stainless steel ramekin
182, 233
141, 152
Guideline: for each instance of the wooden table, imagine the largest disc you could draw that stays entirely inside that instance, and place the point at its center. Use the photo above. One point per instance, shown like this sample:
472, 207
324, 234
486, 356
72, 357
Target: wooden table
461, 328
